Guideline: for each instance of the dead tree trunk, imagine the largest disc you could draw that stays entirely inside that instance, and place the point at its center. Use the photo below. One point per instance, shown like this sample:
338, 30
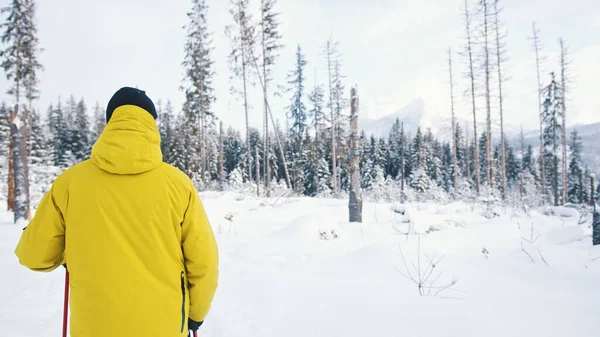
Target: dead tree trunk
221, 158
488, 107
563, 72
500, 61
257, 173
11, 169
402, 165
355, 202
454, 145
473, 102
537, 46
281, 150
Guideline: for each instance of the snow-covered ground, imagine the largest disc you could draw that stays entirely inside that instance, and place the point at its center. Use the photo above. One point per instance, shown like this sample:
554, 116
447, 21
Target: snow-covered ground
295, 267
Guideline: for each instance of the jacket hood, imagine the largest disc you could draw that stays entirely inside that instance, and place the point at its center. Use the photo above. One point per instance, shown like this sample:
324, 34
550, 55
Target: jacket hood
129, 144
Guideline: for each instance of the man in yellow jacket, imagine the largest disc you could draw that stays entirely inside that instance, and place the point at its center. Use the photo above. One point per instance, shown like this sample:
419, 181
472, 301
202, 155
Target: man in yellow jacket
132, 232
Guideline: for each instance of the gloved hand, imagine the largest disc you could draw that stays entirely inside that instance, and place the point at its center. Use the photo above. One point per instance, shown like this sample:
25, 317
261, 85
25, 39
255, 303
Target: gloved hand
193, 325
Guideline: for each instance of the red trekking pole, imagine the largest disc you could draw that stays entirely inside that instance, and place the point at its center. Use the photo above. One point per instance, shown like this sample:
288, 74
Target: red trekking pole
66, 305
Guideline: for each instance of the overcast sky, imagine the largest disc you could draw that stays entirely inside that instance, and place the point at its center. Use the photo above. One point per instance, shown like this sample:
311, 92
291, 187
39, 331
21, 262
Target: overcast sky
394, 50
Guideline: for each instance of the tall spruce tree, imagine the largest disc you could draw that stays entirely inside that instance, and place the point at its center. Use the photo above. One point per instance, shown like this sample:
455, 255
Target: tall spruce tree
242, 35
19, 60
80, 142
577, 188
198, 87
297, 113
270, 44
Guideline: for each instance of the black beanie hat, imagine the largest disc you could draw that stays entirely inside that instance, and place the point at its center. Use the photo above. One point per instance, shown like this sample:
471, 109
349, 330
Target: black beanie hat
130, 96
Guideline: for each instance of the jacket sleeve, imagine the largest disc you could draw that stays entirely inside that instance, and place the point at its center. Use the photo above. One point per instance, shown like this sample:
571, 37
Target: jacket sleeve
201, 258
42, 243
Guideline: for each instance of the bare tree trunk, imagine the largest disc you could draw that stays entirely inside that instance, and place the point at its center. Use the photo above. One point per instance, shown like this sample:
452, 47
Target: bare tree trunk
24, 130
563, 72
402, 164
243, 41
473, 102
355, 202
454, 155
11, 169
257, 173
488, 108
536, 45
221, 158
266, 163
333, 121
281, 150
500, 100
467, 150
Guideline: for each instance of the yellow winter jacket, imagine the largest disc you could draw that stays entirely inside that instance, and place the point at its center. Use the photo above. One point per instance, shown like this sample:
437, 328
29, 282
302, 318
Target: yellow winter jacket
139, 248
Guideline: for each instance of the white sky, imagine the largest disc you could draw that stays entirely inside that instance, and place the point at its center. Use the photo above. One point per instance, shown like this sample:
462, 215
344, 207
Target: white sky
394, 50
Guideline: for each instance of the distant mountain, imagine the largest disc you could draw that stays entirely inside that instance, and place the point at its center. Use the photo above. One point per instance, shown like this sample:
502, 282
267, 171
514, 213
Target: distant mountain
414, 115
589, 133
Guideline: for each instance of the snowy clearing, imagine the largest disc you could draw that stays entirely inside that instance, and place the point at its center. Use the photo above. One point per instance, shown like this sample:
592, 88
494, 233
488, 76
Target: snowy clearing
296, 267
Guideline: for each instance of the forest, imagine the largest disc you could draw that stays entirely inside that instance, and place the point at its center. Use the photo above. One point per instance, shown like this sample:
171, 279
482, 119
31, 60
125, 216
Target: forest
308, 152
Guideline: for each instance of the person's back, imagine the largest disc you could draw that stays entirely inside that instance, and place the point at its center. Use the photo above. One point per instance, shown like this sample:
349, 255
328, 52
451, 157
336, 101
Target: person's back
136, 239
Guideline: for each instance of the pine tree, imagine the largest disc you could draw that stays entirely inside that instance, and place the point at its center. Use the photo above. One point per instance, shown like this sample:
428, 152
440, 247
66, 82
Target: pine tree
552, 132
98, 122
297, 113
59, 135
19, 61
166, 129
242, 36
576, 184
79, 139
331, 53
270, 42
198, 77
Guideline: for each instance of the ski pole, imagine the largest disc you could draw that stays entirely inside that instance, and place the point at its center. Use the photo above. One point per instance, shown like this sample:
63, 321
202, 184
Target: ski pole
195, 333
66, 305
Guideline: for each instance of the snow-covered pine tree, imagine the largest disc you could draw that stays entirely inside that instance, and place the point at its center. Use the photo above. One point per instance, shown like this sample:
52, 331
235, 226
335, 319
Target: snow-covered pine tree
232, 150
270, 44
20, 64
297, 115
42, 171
166, 129
317, 117
394, 148
80, 143
242, 36
59, 135
98, 123
552, 133
181, 151
341, 124
513, 167
576, 184
198, 78
331, 52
